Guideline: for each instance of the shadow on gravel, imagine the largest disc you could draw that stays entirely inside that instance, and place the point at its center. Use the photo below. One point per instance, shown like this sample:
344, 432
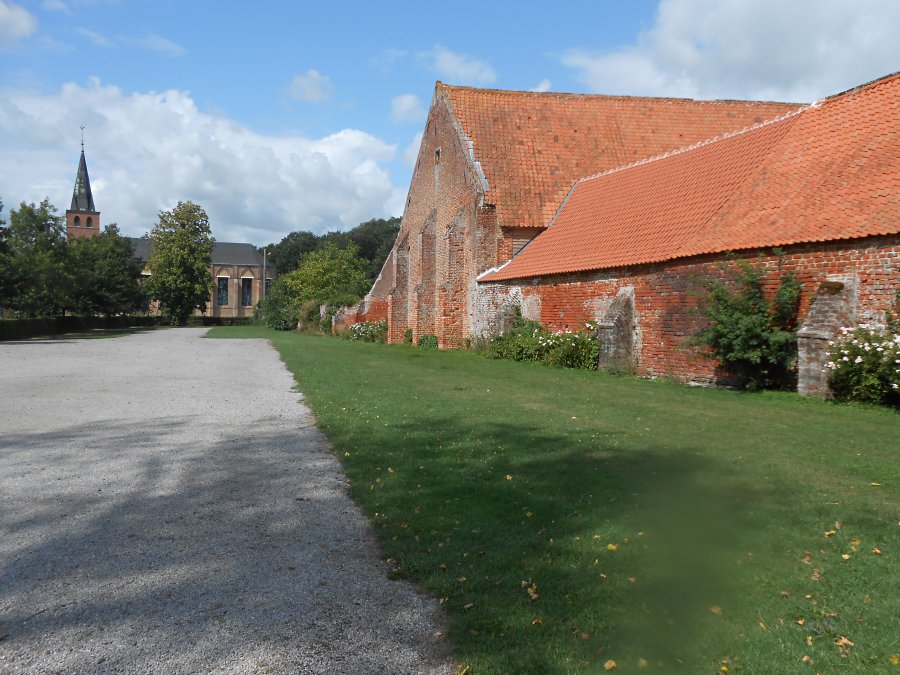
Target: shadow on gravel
243, 553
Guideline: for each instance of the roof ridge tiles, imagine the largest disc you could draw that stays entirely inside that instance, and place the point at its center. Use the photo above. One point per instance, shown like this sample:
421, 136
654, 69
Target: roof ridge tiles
626, 97
700, 144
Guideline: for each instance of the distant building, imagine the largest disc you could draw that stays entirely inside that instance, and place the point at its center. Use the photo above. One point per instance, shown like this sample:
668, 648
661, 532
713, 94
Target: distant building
240, 273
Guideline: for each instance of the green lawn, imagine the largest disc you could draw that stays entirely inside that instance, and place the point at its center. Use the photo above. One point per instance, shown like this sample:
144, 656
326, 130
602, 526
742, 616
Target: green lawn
567, 518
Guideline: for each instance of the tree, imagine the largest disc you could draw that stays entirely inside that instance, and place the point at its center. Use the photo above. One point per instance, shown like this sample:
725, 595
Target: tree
331, 276
375, 239
287, 254
181, 246
105, 274
34, 273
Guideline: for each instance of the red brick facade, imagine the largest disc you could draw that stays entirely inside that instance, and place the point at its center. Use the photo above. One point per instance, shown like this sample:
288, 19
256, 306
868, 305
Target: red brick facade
665, 306
487, 152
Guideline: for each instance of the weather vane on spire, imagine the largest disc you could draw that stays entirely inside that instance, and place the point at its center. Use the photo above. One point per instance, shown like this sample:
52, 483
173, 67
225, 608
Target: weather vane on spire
82, 136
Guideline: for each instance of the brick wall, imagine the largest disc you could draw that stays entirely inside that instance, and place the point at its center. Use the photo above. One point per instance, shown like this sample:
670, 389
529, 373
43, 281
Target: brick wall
446, 238
665, 308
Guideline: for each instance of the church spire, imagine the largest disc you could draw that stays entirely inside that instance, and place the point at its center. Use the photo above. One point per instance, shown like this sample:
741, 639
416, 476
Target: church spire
82, 198
82, 217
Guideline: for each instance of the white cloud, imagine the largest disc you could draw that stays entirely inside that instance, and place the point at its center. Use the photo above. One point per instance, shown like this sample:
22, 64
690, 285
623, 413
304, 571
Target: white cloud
56, 6
312, 86
95, 37
759, 49
543, 85
407, 108
161, 45
384, 60
147, 150
411, 152
16, 23
153, 43
459, 68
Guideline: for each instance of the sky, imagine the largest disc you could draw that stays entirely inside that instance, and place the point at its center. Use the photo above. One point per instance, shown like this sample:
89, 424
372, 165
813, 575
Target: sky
283, 116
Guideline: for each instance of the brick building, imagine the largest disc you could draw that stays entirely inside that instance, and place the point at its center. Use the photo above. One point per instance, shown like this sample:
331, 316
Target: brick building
655, 204
494, 167
822, 183
240, 273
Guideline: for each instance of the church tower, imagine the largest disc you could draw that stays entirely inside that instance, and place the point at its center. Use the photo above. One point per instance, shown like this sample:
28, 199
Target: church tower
82, 217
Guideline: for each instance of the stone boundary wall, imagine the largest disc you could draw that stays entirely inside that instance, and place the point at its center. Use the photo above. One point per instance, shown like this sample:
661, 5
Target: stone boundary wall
665, 302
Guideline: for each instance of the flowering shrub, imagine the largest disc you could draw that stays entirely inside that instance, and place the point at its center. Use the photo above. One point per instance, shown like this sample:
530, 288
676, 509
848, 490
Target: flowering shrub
369, 331
529, 341
864, 365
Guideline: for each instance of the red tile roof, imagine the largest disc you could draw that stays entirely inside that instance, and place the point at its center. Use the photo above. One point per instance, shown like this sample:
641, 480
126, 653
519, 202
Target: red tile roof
829, 171
533, 146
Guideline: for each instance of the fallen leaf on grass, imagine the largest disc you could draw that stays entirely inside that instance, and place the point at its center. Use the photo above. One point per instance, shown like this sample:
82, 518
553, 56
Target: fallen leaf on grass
800, 622
609, 665
876, 550
715, 609
845, 556
830, 533
469, 606
807, 557
875, 484
536, 622
643, 663
843, 642
762, 625
895, 660
807, 659
809, 640
612, 547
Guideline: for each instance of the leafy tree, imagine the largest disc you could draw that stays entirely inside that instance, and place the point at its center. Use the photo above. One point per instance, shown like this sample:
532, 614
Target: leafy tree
752, 336
331, 276
105, 274
373, 239
181, 246
34, 274
287, 254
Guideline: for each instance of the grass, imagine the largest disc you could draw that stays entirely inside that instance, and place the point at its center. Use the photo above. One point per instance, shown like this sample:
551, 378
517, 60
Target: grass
566, 519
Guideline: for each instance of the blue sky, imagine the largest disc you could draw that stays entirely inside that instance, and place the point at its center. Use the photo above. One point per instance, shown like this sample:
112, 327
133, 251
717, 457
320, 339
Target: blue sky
279, 116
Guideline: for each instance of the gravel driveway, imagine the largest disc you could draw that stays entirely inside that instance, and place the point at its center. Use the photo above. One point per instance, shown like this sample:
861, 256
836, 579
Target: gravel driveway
167, 506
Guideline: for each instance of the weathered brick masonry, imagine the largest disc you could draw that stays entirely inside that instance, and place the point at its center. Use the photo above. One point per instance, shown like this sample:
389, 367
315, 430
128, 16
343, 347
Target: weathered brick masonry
493, 168
665, 307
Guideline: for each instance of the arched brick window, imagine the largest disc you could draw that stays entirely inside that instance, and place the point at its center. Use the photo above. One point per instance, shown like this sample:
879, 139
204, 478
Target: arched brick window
77, 221
90, 222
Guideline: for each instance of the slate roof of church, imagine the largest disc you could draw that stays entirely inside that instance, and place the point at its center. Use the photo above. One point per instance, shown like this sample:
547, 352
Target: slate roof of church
82, 197
224, 253
533, 146
830, 171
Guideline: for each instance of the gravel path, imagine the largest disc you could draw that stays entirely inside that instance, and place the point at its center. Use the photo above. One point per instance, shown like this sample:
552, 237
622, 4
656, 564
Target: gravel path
167, 506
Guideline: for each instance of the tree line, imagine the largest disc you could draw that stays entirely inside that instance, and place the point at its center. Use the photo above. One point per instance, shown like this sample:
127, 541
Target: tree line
331, 270
42, 274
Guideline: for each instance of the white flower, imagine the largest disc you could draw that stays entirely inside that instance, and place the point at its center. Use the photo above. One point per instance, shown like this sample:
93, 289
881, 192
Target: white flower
845, 358
858, 359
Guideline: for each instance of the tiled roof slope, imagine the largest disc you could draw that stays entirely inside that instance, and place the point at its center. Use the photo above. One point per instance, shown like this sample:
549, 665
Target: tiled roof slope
829, 171
533, 146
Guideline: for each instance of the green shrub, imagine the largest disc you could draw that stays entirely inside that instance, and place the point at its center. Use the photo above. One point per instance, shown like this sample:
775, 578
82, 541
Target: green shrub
408, 336
753, 337
428, 342
23, 329
527, 340
572, 350
280, 308
864, 365
369, 331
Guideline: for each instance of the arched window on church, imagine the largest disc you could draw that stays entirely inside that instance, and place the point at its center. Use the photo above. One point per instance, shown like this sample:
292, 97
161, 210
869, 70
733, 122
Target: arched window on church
90, 222
77, 221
